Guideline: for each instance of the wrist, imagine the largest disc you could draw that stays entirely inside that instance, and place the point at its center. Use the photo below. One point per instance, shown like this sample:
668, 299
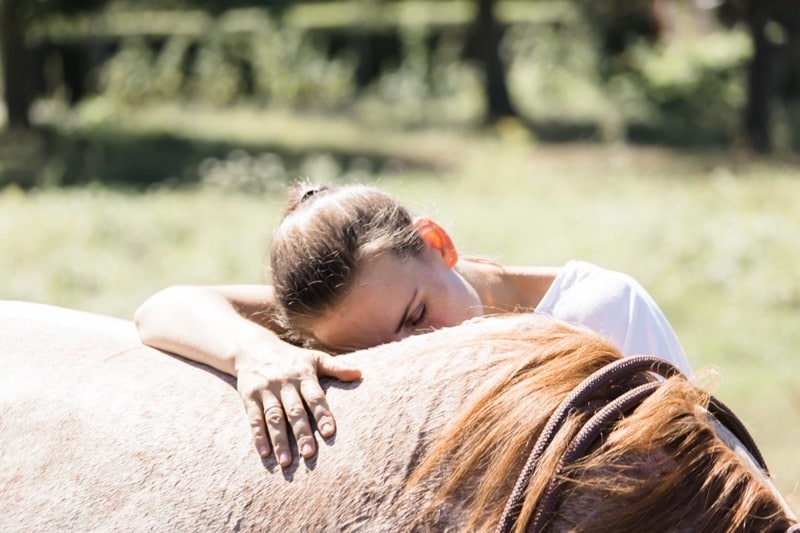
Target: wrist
256, 348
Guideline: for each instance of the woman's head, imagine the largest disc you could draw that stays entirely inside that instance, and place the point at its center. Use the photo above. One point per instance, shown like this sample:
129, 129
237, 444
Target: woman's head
348, 263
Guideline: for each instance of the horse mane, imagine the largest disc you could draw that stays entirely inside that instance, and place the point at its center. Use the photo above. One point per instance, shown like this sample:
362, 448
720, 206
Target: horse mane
663, 465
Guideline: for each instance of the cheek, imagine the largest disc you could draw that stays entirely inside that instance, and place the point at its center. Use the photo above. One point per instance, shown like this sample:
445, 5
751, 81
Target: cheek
459, 303
471, 305
444, 319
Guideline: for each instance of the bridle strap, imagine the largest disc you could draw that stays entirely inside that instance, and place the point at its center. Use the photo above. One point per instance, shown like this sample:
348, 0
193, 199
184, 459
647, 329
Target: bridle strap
601, 420
725, 416
581, 443
610, 373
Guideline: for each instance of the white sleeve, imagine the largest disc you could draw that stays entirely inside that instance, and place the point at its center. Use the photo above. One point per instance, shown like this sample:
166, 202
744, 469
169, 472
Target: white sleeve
617, 307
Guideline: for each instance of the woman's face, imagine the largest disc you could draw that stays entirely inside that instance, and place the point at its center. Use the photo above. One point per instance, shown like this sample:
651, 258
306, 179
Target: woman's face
393, 298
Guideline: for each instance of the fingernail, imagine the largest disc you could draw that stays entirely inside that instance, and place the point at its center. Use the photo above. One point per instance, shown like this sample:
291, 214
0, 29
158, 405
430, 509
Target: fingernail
306, 449
326, 429
262, 450
284, 458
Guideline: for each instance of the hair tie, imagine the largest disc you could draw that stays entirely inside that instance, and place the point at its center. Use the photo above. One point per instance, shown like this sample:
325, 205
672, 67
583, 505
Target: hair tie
309, 193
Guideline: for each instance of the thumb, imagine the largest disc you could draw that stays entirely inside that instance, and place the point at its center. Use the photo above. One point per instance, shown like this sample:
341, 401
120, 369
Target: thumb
328, 365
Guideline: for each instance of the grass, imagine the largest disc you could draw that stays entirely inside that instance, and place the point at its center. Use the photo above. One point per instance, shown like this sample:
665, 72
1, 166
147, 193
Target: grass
714, 241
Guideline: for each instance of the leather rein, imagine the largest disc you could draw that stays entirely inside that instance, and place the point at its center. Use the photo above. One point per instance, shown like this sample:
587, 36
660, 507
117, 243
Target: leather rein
580, 444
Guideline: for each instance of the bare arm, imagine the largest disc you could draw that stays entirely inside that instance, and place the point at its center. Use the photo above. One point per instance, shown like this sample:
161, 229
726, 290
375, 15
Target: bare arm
232, 329
210, 325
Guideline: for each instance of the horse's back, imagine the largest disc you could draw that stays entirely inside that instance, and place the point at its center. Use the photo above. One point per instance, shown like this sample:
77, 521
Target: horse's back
92, 438
99, 432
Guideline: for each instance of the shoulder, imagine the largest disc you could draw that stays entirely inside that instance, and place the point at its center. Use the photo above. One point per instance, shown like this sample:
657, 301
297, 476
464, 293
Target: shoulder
580, 280
585, 272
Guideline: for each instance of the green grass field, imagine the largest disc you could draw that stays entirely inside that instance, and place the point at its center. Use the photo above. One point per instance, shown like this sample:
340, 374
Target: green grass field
715, 242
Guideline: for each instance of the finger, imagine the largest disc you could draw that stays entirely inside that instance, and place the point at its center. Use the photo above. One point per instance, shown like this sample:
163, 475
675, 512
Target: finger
298, 420
314, 397
276, 427
255, 416
328, 365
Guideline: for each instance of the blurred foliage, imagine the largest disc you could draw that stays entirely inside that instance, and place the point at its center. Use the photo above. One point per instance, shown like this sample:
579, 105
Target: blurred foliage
556, 72
27, 10
689, 92
279, 66
617, 23
569, 78
246, 149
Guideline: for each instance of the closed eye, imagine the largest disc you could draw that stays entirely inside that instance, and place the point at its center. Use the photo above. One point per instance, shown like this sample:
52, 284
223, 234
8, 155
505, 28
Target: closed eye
418, 318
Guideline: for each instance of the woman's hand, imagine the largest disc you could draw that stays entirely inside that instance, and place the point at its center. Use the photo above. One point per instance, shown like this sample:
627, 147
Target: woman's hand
230, 328
277, 387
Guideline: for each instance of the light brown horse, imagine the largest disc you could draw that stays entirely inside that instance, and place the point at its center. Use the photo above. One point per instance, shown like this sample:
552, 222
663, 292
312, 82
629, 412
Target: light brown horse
99, 433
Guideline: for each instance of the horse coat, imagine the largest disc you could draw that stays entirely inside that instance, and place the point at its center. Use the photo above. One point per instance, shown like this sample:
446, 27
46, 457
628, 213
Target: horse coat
99, 432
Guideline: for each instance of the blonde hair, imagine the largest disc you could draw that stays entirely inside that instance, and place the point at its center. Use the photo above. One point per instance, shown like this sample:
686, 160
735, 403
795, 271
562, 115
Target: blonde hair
319, 246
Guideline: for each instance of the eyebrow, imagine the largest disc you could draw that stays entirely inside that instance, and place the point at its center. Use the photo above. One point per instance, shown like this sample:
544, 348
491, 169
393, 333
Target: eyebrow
405, 314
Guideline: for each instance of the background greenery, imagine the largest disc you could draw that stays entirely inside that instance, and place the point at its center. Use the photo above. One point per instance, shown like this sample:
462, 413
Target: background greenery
172, 169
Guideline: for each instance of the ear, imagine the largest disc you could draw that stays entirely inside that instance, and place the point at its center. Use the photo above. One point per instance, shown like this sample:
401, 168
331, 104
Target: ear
437, 238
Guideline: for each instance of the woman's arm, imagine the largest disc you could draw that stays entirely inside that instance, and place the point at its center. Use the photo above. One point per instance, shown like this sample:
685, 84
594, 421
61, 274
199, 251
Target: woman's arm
210, 325
231, 328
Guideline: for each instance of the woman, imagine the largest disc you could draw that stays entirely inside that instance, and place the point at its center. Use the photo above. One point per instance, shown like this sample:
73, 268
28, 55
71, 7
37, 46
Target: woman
351, 268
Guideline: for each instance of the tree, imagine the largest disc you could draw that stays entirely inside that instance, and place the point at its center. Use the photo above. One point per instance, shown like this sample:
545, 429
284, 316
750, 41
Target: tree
16, 75
15, 18
486, 38
774, 27
18, 65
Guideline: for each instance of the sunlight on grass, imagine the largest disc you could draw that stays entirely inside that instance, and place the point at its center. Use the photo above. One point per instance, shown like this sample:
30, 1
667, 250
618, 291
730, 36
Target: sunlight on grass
253, 125
105, 252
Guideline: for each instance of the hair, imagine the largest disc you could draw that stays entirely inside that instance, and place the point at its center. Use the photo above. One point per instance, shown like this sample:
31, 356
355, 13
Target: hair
326, 234
662, 464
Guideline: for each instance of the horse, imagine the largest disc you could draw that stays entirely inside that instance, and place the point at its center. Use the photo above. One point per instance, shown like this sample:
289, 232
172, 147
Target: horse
99, 432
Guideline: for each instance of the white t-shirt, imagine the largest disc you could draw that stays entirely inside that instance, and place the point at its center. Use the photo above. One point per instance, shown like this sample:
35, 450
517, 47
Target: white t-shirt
617, 307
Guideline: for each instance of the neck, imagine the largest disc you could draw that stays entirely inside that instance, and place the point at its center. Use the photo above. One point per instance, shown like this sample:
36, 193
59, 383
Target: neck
507, 289
490, 283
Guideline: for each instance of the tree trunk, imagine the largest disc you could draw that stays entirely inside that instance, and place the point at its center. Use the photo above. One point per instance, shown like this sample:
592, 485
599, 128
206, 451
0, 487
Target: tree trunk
488, 35
18, 97
760, 79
